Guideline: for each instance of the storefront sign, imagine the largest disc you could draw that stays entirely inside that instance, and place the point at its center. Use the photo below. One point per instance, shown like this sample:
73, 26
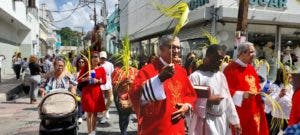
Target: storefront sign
269, 3
193, 4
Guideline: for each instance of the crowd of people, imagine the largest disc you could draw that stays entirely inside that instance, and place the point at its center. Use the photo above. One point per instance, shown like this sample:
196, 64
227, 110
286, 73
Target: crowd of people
216, 96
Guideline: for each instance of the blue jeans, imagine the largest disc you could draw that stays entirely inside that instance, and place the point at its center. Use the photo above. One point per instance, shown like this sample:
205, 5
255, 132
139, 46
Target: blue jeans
35, 81
80, 111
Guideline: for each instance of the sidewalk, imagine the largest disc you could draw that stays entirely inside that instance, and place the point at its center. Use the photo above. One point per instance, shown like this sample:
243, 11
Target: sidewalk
9, 87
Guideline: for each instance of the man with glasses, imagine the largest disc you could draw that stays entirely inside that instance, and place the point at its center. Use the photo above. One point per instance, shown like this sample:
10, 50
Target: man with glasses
244, 87
214, 112
162, 93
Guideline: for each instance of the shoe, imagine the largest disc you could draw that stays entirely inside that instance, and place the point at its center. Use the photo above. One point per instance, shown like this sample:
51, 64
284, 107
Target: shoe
107, 114
79, 120
33, 101
93, 133
103, 120
84, 116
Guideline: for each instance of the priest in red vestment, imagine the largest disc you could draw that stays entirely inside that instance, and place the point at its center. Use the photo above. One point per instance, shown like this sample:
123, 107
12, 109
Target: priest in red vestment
243, 83
162, 93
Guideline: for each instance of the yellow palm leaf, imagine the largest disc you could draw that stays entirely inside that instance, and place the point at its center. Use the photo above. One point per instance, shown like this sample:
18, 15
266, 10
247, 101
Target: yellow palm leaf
179, 11
212, 39
125, 55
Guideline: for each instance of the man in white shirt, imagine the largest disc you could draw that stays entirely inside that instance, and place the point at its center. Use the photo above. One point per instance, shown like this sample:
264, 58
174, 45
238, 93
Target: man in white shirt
214, 113
106, 88
2, 57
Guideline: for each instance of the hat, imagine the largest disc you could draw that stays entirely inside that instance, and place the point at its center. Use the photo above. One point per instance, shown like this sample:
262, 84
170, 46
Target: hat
103, 54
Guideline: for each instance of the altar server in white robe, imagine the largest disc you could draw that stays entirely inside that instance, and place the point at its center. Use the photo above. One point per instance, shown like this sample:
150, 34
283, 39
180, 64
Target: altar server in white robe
216, 113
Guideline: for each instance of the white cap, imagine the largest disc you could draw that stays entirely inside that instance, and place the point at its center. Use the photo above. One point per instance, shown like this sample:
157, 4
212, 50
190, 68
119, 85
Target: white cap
103, 54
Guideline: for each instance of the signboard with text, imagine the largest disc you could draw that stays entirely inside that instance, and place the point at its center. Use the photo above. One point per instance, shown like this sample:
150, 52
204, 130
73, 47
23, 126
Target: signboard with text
269, 3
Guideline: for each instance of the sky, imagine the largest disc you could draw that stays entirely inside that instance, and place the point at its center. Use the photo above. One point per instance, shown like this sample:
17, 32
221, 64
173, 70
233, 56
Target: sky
80, 17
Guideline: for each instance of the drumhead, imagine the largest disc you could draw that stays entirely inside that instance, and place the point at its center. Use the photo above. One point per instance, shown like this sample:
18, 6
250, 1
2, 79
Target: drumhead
58, 103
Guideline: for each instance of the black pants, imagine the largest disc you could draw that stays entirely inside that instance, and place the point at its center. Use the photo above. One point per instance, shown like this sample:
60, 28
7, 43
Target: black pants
0, 76
275, 131
123, 116
17, 70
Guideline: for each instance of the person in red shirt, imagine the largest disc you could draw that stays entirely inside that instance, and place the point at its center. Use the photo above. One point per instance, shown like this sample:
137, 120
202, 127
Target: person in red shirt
243, 83
162, 93
92, 98
295, 112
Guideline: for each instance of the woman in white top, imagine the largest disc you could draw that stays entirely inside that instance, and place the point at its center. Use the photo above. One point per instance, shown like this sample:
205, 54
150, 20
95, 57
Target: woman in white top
283, 95
17, 60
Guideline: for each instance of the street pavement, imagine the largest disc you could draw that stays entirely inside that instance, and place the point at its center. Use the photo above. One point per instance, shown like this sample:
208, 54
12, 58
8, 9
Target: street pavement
18, 117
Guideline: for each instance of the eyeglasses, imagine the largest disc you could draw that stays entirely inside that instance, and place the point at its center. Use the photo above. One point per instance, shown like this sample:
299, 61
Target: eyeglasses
174, 47
95, 56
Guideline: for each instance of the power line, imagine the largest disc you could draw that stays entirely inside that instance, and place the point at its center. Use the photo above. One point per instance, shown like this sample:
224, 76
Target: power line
67, 10
121, 10
69, 14
47, 21
155, 20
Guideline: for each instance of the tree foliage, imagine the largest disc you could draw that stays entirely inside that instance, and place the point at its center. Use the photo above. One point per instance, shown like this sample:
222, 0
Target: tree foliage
69, 37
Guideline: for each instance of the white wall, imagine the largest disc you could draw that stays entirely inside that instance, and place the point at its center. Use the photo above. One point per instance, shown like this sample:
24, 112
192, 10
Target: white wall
285, 16
18, 30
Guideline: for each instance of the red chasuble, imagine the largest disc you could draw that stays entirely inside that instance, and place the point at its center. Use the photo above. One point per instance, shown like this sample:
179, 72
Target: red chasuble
154, 117
295, 112
251, 113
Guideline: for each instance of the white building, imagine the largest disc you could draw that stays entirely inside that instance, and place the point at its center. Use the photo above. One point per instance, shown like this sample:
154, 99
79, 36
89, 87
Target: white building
277, 21
18, 30
47, 36
67, 49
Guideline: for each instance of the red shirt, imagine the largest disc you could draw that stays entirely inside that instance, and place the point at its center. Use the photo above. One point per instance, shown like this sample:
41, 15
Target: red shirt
295, 112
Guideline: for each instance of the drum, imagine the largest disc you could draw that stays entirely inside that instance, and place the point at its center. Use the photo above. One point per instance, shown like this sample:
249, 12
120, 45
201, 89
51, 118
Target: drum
59, 102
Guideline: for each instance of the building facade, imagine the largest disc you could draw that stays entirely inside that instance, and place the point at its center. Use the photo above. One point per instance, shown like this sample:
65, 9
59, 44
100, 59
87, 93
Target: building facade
19, 30
47, 37
276, 21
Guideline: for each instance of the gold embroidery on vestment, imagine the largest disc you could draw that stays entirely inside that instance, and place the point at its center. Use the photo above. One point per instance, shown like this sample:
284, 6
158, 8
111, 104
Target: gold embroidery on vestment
175, 88
257, 121
250, 79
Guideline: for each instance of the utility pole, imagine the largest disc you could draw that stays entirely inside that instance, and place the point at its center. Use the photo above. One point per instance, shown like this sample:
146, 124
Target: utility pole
95, 13
242, 23
104, 16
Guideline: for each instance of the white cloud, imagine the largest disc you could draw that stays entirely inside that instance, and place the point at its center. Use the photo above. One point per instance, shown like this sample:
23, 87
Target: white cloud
80, 17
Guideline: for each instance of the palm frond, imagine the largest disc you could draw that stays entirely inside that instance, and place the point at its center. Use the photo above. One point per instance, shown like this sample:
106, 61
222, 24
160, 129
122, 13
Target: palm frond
178, 11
